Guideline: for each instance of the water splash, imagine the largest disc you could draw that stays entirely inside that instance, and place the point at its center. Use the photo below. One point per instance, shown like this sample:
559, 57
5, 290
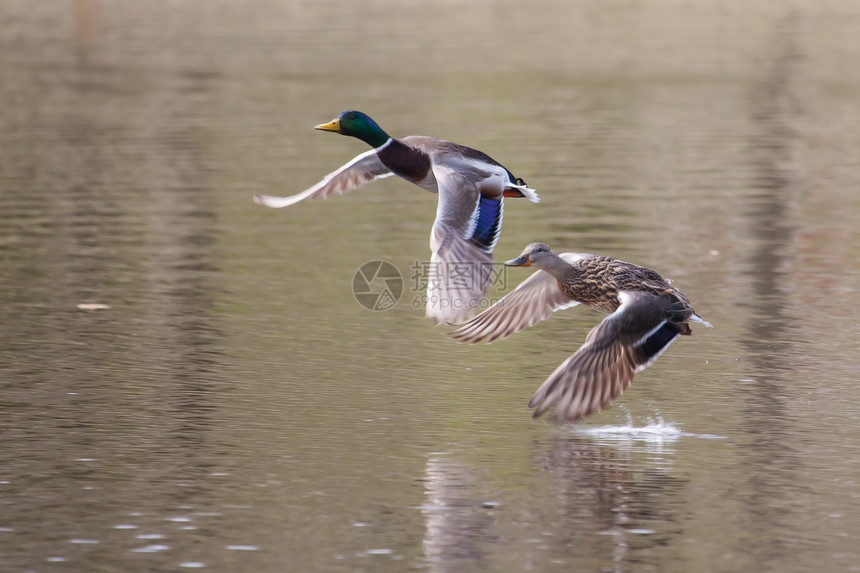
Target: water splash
656, 431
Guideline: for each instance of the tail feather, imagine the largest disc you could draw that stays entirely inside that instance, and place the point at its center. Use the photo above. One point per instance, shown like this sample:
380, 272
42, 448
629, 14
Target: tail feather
698, 319
524, 191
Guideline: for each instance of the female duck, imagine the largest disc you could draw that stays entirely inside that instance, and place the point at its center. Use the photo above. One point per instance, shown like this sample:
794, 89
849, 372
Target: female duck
646, 314
471, 187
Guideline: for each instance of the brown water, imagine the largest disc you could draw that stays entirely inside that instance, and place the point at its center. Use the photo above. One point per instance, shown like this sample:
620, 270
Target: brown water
235, 409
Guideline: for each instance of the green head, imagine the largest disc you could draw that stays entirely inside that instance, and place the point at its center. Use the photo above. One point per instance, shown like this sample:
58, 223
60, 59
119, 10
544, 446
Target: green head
356, 124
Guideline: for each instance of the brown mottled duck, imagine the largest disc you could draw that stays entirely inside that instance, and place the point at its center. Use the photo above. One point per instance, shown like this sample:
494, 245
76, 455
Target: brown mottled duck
645, 315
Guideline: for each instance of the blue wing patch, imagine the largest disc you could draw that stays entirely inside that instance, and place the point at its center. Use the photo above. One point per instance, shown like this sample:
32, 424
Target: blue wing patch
488, 222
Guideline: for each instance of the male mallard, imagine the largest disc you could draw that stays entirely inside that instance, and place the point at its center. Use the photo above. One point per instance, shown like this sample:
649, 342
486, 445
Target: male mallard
471, 186
646, 315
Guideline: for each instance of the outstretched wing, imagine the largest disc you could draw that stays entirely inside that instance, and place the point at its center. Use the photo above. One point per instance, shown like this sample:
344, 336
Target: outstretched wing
464, 233
359, 172
459, 276
534, 299
625, 342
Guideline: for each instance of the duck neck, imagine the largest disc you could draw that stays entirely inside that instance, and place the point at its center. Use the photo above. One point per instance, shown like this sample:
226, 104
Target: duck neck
558, 268
376, 140
372, 134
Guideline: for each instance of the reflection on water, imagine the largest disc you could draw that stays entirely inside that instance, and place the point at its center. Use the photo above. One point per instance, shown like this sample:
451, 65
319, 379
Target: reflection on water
606, 503
770, 463
590, 493
460, 525
231, 407
606, 496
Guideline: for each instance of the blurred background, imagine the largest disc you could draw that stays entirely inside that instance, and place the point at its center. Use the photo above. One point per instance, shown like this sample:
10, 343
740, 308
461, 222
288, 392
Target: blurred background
188, 382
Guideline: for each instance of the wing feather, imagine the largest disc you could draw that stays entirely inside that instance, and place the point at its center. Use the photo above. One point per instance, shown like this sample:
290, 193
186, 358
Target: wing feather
604, 366
534, 299
463, 265
460, 275
362, 170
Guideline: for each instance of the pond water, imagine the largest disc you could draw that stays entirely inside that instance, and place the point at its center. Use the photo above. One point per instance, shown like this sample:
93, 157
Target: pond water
221, 401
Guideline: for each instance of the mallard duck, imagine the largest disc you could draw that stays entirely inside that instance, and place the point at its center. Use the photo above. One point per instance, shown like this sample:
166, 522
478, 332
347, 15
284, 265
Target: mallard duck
646, 314
471, 187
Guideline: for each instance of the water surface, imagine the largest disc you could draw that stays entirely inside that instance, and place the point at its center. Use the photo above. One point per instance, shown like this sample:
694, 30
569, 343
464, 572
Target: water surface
235, 408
